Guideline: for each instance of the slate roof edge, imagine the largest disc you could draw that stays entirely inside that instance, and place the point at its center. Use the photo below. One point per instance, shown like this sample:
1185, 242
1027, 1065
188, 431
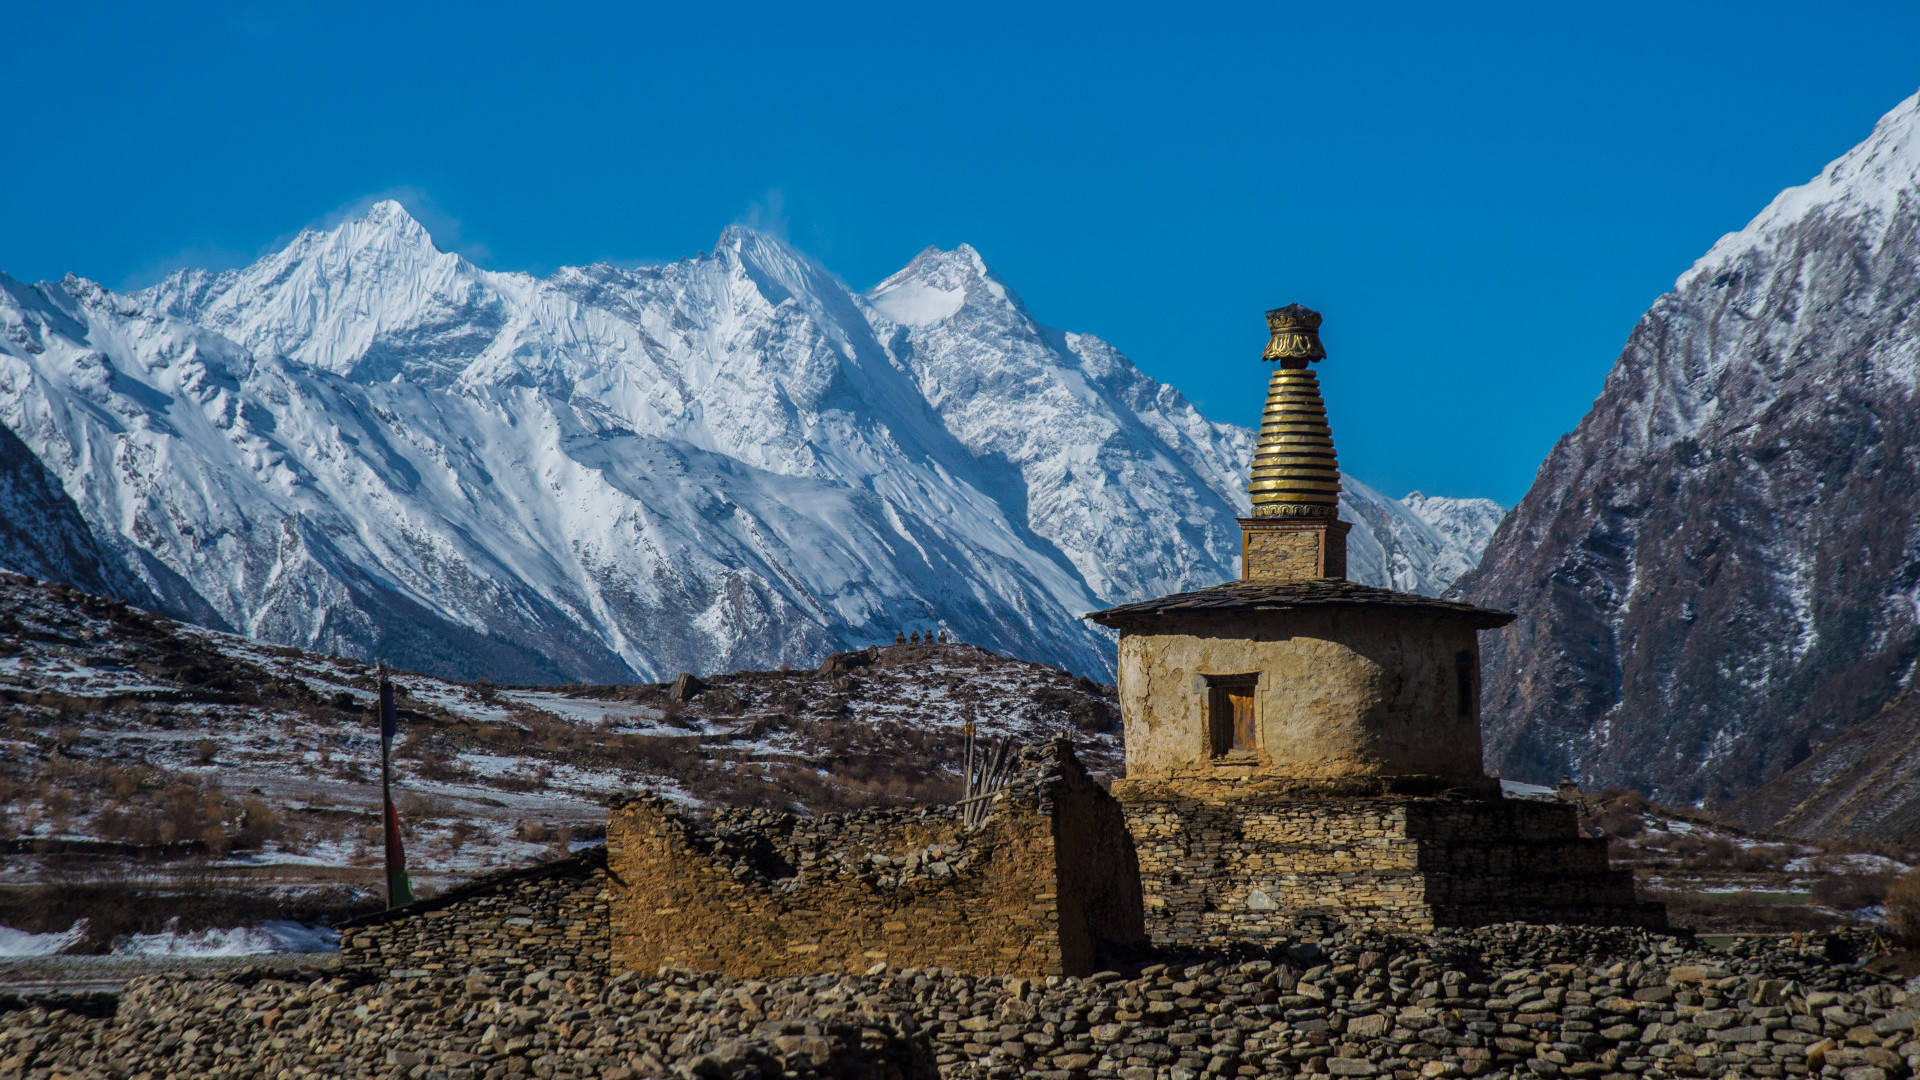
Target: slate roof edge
1240, 597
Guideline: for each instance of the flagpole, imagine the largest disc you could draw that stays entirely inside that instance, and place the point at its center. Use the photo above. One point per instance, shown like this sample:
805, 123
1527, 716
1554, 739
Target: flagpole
399, 889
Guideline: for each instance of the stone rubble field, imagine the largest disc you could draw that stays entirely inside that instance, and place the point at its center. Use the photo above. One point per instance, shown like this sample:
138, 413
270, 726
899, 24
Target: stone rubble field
1511, 1001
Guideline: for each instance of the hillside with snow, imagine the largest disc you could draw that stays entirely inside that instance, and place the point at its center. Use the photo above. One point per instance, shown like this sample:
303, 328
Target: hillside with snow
114, 715
368, 447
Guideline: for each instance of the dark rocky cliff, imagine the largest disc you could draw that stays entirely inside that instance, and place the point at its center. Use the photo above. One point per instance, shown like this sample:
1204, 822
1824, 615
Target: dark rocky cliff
1716, 572
43, 535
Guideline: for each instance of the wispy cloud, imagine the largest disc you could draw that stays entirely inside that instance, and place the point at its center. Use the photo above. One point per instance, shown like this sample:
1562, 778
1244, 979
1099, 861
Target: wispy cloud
768, 215
212, 257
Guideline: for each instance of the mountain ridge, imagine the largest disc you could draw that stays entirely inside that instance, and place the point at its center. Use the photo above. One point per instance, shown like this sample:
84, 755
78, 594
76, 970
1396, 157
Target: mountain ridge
363, 445
1716, 570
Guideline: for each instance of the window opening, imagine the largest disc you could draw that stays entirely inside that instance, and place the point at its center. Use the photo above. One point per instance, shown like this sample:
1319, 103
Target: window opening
1230, 728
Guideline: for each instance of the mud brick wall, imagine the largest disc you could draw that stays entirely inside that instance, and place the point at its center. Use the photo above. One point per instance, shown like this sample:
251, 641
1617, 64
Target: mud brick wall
1218, 871
760, 895
549, 917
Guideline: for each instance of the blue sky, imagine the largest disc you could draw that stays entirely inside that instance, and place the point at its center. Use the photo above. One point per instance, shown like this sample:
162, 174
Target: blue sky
1483, 199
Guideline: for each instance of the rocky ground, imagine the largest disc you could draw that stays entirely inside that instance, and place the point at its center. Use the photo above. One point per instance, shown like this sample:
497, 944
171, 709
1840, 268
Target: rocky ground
1499, 1002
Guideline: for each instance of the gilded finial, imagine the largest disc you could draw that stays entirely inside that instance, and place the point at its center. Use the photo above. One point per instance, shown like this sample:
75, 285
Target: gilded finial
1295, 472
1296, 336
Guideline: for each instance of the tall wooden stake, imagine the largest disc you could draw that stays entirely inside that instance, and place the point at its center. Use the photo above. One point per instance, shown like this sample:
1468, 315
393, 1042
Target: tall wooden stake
399, 889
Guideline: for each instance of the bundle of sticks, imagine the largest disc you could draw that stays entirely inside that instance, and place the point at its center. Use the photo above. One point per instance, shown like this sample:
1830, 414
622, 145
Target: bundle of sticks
988, 768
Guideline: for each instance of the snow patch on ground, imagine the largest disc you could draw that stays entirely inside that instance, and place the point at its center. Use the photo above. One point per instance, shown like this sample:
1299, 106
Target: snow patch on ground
20, 943
1856, 863
1514, 789
279, 936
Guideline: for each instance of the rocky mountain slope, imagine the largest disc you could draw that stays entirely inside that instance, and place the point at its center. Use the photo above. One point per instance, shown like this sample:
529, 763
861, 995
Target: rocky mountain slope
1718, 571
1862, 786
365, 446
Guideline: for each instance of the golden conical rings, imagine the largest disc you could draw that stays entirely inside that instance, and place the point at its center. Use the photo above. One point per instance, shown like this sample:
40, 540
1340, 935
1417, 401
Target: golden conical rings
1323, 462
1304, 487
1291, 473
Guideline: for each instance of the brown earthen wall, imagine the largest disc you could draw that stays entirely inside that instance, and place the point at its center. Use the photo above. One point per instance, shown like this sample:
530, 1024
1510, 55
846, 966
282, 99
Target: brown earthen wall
997, 913
1341, 693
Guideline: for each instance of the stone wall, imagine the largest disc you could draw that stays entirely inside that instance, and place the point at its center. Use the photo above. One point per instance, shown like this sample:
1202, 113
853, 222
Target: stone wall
1039, 889
1498, 1003
1346, 692
1274, 555
548, 917
1060, 877
1220, 870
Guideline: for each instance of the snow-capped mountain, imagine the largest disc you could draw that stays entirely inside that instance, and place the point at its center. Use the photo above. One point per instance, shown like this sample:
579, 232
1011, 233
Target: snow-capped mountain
367, 446
1718, 570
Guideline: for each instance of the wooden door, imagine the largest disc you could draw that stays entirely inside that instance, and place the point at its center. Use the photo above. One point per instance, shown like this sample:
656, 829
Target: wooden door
1240, 700
1230, 716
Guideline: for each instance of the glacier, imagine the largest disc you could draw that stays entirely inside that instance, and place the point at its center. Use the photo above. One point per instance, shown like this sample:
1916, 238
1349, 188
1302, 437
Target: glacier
363, 445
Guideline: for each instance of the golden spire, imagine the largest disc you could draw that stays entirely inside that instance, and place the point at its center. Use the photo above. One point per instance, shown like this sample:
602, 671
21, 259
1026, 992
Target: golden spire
1295, 472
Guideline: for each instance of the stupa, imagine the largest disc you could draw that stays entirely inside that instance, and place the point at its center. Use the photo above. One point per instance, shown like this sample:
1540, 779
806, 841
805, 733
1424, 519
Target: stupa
1303, 750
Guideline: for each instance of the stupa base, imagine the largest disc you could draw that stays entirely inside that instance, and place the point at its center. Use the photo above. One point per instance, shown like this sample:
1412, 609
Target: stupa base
1220, 867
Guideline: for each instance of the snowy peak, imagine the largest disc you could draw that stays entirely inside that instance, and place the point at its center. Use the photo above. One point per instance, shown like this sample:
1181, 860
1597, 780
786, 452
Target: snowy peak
1872, 180
1466, 524
362, 444
936, 284
1714, 571
775, 266
370, 299
387, 218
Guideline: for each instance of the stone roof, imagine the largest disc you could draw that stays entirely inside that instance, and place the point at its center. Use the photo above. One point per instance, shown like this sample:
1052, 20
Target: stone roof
1236, 597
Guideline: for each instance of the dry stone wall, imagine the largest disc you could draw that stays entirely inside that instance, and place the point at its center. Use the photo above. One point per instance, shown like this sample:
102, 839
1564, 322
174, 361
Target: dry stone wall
550, 917
1061, 876
1505, 1003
